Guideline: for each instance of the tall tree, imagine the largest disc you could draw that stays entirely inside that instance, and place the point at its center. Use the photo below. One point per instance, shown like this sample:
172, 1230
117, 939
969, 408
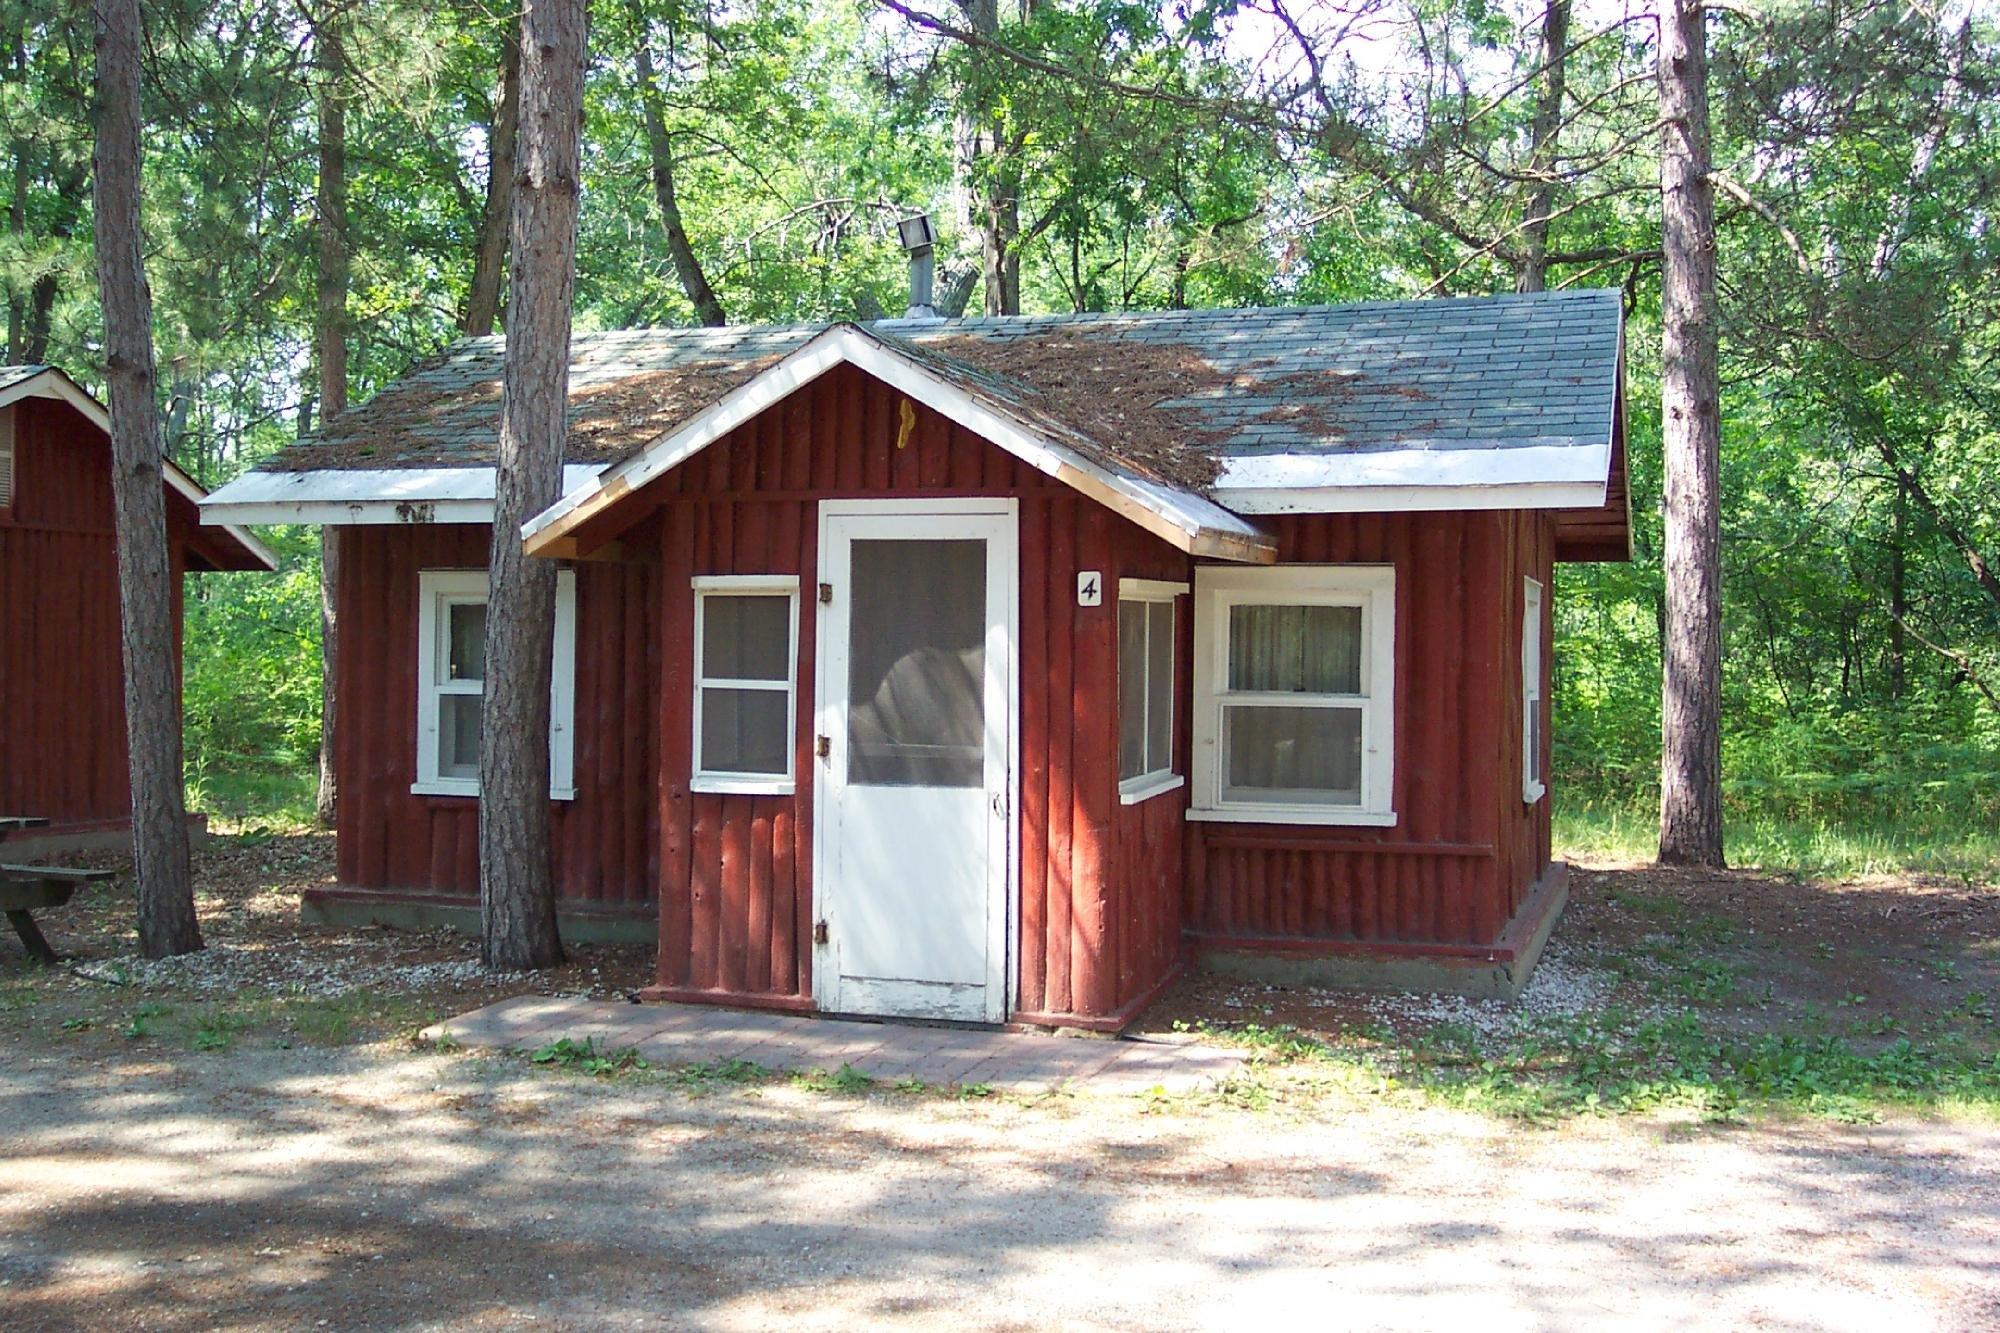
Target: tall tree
1531, 268
482, 307
516, 887
167, 923
660, 150
1691, 430
330, 341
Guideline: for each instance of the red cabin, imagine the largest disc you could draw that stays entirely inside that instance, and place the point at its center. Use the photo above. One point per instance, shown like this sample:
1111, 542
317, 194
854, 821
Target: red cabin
62, 692
991, 670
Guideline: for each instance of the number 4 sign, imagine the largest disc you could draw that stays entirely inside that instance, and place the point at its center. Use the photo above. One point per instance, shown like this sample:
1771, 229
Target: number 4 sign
1089, 588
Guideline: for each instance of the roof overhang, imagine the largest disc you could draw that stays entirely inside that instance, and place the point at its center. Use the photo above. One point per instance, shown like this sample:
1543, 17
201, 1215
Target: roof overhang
56, 384
1481, 476
359, 496
585, 518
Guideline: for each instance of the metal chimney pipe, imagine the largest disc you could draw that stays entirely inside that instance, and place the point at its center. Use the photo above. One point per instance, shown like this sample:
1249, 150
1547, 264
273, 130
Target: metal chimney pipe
918, 242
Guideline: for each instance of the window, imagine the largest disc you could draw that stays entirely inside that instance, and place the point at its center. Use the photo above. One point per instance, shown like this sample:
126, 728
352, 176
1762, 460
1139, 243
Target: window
1146, 626
1534, 723
1295, 694
451, 683
6, 458
746, 644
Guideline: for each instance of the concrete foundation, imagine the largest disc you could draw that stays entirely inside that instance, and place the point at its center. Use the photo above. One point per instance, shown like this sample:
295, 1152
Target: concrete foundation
104, 835
1500, 972
354, 908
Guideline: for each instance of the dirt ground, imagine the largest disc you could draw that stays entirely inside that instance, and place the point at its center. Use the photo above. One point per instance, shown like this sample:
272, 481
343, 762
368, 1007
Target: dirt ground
250, 1139
1871, 959
372, 1188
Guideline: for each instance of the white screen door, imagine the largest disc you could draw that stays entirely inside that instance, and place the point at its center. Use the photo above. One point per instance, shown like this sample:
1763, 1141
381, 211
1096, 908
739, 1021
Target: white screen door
915, 714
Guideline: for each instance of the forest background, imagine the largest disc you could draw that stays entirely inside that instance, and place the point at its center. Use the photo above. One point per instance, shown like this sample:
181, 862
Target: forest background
746, 161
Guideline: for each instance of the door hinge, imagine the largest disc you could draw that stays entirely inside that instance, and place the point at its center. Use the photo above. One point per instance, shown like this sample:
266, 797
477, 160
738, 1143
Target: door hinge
826, 594
823, 746
819, 931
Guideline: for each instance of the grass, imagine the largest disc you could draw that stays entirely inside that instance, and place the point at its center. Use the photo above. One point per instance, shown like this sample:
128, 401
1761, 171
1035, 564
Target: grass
1617, 1063
243, 798
1699, 1037
1617, 831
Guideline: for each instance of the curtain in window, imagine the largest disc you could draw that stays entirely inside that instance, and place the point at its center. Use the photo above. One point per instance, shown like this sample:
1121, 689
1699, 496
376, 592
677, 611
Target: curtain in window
1295, 649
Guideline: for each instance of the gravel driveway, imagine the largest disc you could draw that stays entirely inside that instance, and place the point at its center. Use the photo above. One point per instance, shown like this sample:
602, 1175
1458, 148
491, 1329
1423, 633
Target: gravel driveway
374, 1187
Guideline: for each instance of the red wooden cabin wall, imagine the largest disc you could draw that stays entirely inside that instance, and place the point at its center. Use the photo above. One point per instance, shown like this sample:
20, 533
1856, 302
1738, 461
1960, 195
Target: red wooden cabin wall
1457, 863
1098, 882
62, 693
389, 838
1106, 889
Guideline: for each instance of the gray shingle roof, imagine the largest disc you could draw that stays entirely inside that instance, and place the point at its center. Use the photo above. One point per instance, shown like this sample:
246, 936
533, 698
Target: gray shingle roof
13, 375
1445, 374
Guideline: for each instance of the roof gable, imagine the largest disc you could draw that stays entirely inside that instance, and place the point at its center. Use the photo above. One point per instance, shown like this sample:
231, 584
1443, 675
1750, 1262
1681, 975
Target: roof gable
235, 549
1005, 415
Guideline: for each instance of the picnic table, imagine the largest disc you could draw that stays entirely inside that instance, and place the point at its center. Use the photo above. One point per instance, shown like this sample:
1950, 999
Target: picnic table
26, 889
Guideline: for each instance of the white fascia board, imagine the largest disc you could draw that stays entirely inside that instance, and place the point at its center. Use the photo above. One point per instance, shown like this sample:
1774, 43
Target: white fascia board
1402, 480
1413, 499
359, 496
1190, 522
1466, 464
56, 384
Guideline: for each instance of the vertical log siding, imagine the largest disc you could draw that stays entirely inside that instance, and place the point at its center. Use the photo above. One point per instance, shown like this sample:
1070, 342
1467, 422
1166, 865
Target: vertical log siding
1465, 849
1110, 895
1099, 883
604, 840
62, 701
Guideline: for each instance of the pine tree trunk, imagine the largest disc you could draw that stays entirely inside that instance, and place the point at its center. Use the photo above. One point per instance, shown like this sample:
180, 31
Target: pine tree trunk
1899, 595
687, 265
1691, 693
1531, 274
331, 338
517, 892
167, 923
482, 308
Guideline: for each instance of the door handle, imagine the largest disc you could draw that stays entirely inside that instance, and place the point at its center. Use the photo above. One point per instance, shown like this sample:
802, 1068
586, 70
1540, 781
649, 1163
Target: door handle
999, 804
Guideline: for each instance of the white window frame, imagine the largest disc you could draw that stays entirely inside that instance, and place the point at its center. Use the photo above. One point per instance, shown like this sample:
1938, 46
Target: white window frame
7, 476
1370, 587
747, 585
439, 589
1154, 782
1533, 787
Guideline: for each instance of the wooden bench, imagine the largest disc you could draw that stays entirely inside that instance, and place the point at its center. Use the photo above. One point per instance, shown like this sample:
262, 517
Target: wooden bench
23, 889
18, 823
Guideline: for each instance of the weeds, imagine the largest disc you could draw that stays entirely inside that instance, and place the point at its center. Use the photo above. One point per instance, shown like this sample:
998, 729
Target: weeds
585, 1057
719, 1072
216, 1030
847, 1080
141, 1025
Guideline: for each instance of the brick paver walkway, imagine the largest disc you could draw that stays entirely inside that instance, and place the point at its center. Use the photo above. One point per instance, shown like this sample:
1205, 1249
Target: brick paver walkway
674, 1035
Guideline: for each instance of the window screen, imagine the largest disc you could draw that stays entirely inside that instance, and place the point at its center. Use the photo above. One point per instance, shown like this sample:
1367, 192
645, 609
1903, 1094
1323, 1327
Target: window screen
916, 673
6, 457
744, 683
1280, 749
1534, 713
1145, 689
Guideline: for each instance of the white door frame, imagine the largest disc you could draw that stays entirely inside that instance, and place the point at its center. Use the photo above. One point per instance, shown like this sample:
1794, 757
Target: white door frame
1003, 648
